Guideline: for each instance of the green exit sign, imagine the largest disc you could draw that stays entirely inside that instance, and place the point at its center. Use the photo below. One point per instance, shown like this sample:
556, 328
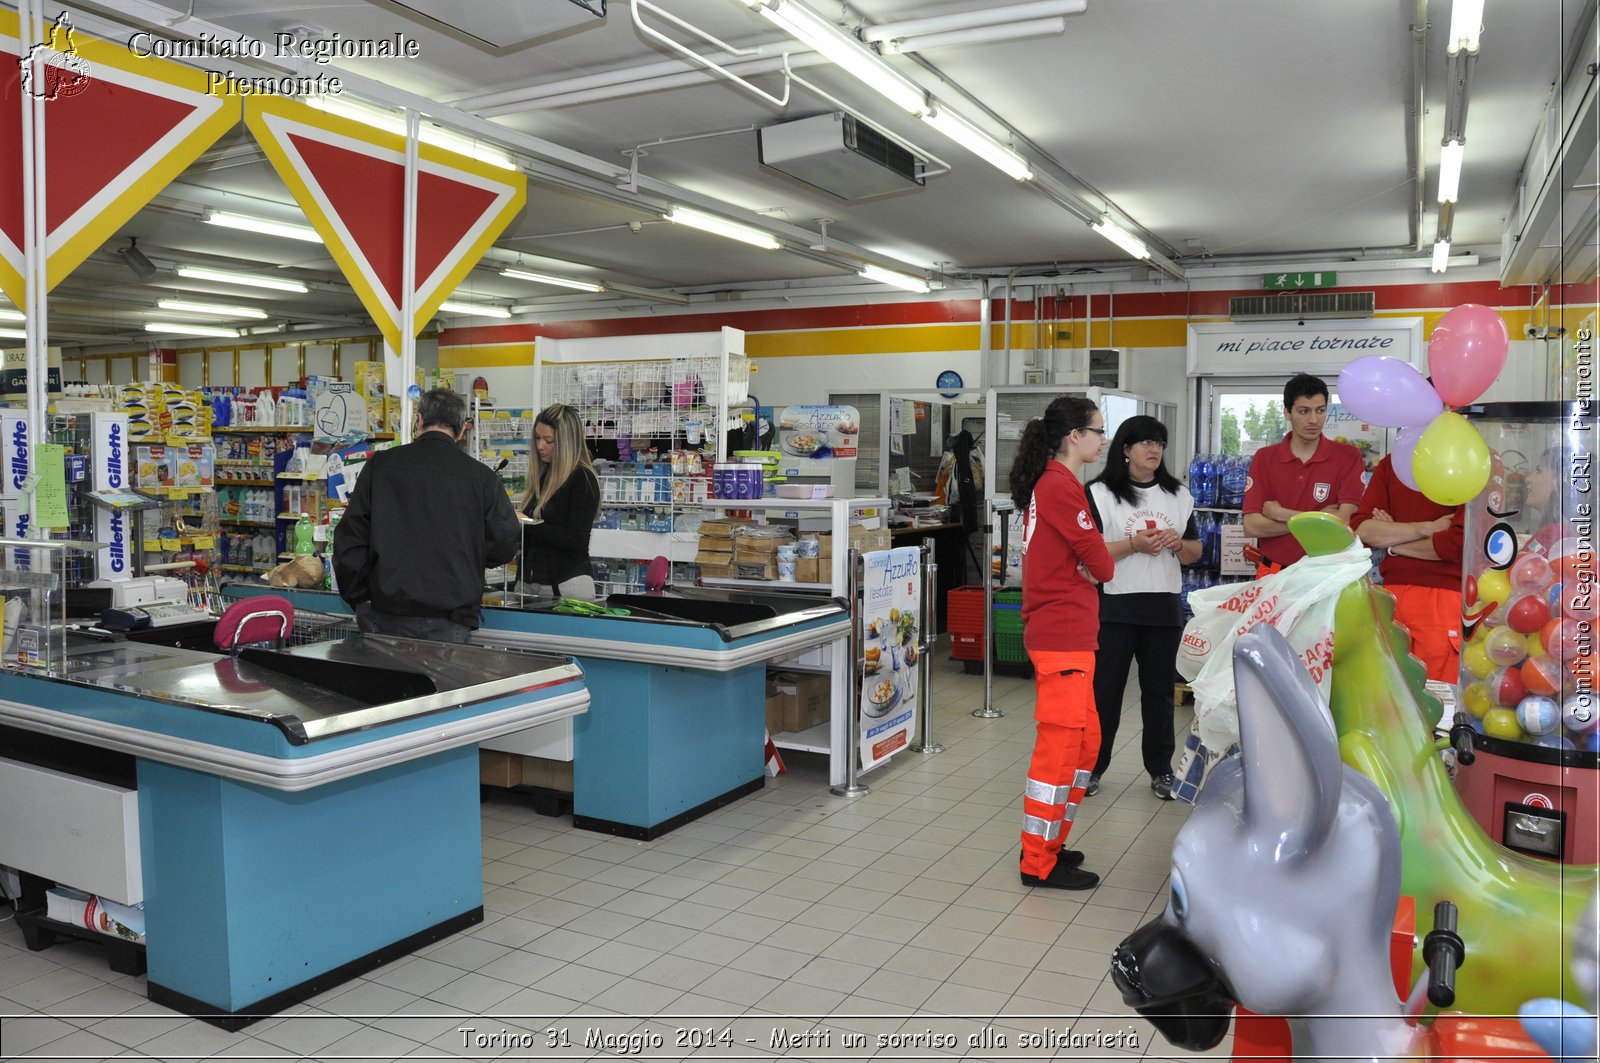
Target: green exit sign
1291, 281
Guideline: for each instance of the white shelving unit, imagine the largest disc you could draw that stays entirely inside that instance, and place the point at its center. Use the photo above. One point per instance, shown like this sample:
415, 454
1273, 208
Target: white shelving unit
832, 737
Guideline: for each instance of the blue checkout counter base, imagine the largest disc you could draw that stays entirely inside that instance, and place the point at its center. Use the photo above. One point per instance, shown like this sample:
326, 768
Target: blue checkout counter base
266, 1008
650, 833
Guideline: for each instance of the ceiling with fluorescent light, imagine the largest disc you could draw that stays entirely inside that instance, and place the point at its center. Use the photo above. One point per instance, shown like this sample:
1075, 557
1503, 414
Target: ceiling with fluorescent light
1223, 130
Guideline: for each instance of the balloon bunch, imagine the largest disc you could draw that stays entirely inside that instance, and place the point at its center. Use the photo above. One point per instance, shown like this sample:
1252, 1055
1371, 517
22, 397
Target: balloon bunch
1437, 451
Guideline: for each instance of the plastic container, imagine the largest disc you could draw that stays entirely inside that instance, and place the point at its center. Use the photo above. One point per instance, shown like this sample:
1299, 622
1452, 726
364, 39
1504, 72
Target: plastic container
1007, 614
305, 541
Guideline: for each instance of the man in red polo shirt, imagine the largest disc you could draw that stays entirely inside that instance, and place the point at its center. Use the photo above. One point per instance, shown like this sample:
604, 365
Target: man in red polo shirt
1304, 473
1422, 568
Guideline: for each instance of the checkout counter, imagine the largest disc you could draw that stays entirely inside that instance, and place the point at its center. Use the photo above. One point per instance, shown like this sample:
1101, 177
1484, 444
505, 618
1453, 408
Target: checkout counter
289, 818
677, 720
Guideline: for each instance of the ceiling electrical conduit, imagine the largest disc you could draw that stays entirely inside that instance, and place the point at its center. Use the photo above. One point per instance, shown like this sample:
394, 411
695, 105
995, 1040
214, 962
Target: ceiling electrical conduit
978, 27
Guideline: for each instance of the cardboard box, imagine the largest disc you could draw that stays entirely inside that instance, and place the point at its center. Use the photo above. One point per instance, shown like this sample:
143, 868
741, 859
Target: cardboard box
498, 769
777, 699
805, 698
765, 545
755, 569
721, 527
862, 539
808, 570
547, 774
718, 558
716, 571
744, 550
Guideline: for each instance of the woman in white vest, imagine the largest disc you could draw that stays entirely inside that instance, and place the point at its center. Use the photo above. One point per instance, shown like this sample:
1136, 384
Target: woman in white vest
1147, 518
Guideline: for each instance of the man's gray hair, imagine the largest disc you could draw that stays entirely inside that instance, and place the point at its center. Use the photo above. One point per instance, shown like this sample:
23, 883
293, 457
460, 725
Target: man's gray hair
442, 408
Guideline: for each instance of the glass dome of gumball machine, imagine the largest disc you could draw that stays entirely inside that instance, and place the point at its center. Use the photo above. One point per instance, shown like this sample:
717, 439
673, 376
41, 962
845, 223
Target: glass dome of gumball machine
1529, 625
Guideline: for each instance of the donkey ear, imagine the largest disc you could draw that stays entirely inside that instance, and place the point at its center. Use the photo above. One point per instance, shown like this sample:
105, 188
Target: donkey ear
1292, 772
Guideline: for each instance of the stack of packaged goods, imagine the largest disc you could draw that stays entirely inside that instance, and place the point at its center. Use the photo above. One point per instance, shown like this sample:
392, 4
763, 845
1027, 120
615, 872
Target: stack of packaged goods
755, 552
715, 556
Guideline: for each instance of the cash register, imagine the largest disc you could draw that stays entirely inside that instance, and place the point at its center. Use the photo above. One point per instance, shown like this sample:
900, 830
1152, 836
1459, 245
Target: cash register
147, 601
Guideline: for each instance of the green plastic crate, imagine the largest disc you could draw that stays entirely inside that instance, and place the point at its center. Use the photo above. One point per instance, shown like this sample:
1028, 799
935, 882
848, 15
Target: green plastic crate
1006, 622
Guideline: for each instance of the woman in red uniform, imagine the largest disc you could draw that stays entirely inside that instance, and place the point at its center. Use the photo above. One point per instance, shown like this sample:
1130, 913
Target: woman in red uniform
1063, 556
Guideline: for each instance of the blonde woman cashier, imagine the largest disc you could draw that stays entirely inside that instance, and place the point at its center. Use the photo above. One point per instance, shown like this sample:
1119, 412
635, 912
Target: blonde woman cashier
559, 508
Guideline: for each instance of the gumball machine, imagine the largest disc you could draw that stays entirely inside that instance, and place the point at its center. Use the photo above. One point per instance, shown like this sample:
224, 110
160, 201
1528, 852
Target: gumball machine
1528, 629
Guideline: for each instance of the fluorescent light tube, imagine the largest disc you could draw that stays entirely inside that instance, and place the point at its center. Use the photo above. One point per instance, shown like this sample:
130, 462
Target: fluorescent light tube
455, 306
1466, 23
249, 280
1450, 157
8, 314
1441, 256
191, 330
560, 282
428, 134
980, 144
13, 334
285, 229
214, 309
849, 54
896, 280
1121, 237
722, 227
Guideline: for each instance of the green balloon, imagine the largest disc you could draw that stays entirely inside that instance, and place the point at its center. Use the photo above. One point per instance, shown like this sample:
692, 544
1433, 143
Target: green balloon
1514, 910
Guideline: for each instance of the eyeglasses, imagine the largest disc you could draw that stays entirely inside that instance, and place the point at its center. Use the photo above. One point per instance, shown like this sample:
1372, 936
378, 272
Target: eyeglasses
1157, 443
1097, 431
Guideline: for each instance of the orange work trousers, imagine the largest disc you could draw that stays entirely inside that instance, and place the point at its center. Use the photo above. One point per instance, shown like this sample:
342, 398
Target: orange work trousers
1064, 752
1432, 616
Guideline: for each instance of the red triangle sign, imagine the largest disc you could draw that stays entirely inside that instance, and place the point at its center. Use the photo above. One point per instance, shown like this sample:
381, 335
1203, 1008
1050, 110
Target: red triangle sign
368, 194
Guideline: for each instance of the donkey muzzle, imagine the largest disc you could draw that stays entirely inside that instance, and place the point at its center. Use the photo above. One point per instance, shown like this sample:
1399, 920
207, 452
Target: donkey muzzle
1163, 976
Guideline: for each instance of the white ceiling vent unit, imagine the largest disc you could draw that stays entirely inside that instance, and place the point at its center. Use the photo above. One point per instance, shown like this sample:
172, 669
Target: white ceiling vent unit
840, 154
1295, 305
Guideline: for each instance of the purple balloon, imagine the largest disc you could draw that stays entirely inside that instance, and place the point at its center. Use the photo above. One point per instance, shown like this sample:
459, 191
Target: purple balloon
1387, 391
1405, 443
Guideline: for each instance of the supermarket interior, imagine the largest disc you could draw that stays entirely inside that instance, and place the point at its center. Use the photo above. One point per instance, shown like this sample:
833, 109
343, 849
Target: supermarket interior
808, 283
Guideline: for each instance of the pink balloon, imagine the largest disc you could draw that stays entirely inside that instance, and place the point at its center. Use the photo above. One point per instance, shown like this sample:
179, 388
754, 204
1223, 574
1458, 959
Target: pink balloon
1405, 444
1466, 352
1387, 391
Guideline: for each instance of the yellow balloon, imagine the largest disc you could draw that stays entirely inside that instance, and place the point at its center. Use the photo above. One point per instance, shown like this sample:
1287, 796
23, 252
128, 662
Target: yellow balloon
1476, 658
1451, 462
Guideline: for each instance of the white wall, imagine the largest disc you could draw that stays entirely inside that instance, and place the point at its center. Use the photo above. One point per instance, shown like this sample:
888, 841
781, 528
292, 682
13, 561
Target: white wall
789, 381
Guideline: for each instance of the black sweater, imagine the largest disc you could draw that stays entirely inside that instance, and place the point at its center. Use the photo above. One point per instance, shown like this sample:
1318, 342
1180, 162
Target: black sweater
558, 549
423, 523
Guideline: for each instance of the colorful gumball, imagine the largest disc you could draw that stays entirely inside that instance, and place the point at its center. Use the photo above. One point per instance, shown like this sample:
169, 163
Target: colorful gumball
1591, 742
1527, 614
1536, 646
1506, 647
1507, 687
1560, 638
1542, 676
1494, 586
1570, 561
1476, 659
1502, 723
1531, 574
1582, 668
1580, 713
1477, 700
1538, 715
1554, 741
1578, 599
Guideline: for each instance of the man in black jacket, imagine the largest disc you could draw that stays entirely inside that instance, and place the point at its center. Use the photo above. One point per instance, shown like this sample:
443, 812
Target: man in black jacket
423, 523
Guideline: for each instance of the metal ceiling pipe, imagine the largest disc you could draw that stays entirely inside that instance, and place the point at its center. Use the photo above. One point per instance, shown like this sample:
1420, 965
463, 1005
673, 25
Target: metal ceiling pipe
1416, 135
963, 20
542, 100
1039, 27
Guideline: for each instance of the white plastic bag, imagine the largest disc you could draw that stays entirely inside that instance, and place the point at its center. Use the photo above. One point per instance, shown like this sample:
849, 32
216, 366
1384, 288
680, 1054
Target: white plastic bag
1298, 601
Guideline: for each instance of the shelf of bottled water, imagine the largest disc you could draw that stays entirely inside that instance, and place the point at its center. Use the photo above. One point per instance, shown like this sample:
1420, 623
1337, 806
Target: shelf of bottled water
1217, 483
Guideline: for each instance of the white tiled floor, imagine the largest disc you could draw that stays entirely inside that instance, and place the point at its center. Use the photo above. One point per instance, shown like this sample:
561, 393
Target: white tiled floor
898, 914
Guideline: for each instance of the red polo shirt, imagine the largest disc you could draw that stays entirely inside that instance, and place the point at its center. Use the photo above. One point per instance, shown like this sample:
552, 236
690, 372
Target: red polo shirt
1061, 609
1387, 493
1331, 478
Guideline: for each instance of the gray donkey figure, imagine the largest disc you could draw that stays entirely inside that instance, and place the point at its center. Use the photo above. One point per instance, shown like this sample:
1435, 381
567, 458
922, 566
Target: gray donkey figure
1284, 886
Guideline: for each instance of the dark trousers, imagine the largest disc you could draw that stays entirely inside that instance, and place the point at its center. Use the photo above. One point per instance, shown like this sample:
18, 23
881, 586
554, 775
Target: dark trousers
1156, 650
432, 628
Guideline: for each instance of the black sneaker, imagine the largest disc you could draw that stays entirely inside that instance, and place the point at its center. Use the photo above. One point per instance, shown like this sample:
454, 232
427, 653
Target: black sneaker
1093, 787
1161, 786
1062, 877
1066, 857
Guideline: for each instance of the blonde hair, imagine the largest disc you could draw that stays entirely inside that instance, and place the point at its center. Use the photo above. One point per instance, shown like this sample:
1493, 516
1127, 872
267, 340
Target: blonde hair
571, 454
